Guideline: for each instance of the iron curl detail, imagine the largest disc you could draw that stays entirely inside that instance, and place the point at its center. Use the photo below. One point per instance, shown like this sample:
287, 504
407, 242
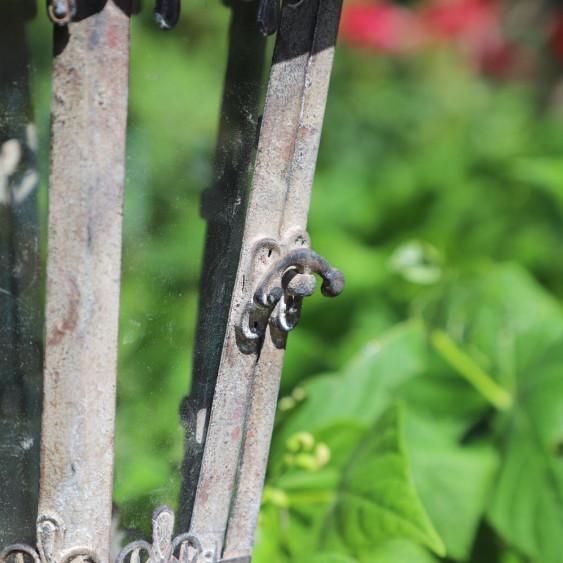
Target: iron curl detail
50, 536
279, 295
184, 548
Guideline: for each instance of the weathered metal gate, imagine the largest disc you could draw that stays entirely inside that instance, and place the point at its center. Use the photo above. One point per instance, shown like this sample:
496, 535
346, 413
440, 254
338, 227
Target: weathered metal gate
258, 267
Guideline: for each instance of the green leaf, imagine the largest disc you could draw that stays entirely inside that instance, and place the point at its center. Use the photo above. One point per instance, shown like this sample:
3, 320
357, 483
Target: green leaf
358, 396
544, 173
466, 367
454, 481
501, 320
377, 500
328, 558
399, 551
499, 329
417, 261
527, 507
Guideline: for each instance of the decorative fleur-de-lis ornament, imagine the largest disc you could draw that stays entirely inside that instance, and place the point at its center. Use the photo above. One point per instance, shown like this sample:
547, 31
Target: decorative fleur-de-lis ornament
50, 536
185, 548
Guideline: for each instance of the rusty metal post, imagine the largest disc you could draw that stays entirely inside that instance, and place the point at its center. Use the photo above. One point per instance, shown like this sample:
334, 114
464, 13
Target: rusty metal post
265, 385
274, 275
89, 109
224, 208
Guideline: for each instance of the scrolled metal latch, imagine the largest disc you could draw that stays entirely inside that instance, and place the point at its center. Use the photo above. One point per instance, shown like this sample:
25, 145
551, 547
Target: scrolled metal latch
282, 275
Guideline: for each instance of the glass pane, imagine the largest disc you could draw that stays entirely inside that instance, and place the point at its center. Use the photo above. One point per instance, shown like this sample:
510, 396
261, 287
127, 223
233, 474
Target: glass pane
174, 103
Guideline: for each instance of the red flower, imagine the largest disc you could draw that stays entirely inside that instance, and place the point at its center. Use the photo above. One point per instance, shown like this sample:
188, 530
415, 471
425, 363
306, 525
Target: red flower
556, 36
474, 26
382, 25
453, 19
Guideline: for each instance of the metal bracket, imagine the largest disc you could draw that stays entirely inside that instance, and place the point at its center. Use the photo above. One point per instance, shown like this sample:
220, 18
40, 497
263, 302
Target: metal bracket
278, 296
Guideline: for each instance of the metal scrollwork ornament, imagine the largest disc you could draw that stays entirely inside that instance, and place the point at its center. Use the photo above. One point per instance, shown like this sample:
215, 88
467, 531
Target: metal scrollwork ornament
185, 548
50, 536
279, 294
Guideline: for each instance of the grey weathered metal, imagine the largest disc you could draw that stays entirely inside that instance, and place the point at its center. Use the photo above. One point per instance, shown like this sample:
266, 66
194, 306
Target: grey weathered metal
237, 442
164, 545
224, 208
88, 129
89, 110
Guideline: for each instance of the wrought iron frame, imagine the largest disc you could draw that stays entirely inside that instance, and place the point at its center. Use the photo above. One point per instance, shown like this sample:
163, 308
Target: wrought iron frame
256, 294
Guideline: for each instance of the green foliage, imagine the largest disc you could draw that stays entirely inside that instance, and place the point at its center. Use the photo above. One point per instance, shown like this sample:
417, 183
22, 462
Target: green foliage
376, 500
474, 458
439, 194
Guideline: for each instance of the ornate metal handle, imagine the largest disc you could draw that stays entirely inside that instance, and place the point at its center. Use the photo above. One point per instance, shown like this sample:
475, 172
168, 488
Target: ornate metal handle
284, 286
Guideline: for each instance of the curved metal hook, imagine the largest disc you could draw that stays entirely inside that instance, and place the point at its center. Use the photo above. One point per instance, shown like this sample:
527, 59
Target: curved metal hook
304, 261
82, 552
284, 286
185, 540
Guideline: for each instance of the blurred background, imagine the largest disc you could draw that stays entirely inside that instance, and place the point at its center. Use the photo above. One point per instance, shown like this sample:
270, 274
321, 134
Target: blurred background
421, 413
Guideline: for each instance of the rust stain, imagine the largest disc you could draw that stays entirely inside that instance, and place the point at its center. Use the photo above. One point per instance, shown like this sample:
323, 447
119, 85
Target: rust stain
113, 36
235, 433
202, 494
71, 318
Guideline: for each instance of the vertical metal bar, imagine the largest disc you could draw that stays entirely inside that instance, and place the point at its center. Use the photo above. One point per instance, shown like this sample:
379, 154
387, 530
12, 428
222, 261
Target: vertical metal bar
89, 109
20, 290
280, 186
224, 207
265, 385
